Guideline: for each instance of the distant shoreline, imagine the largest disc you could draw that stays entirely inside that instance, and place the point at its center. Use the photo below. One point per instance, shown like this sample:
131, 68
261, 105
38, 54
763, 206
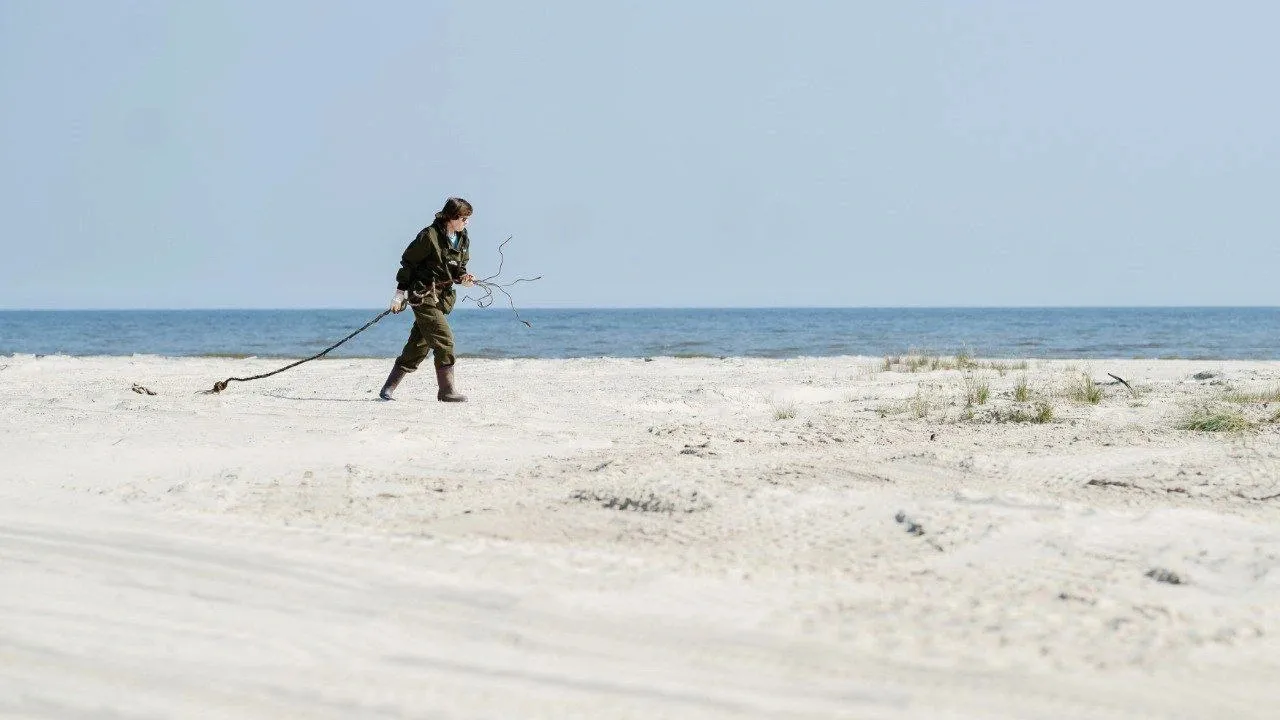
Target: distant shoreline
1209, 333
659, 308
949, 362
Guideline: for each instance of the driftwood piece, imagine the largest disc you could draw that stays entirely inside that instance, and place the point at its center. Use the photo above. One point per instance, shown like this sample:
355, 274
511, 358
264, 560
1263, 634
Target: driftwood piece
1099, 482
1121, 381
1165, 576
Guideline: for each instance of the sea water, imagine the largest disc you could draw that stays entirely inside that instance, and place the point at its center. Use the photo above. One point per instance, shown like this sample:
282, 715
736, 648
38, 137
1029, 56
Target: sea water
1192, 333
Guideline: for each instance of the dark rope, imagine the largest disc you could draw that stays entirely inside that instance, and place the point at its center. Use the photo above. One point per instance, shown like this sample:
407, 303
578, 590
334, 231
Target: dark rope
222, 384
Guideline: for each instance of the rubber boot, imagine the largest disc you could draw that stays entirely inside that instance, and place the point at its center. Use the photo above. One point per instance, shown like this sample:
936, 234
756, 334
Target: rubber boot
397, 374
444, 376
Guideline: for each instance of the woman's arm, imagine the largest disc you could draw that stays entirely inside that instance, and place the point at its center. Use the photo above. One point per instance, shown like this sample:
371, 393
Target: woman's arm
420, 261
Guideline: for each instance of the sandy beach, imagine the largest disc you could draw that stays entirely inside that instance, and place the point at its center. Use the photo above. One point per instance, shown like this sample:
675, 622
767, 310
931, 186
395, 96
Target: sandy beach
631, 538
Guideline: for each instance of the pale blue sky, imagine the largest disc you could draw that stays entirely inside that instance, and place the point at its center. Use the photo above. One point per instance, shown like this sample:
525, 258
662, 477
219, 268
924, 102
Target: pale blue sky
281, 154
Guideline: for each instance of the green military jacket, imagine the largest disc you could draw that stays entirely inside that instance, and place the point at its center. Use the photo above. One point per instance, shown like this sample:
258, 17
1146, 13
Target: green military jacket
430, 259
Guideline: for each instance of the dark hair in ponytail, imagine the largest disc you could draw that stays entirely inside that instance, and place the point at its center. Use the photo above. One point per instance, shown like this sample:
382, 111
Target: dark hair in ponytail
454, 208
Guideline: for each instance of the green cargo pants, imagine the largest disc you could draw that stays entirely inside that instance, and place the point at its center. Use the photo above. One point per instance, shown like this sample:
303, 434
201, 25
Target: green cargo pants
430, 332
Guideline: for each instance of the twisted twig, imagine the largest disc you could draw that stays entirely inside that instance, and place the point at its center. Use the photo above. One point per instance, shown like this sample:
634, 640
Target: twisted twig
489, 287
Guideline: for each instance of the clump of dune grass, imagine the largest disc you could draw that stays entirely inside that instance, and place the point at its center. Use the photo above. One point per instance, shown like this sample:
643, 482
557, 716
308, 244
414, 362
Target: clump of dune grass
983, 392
1084, 389
785, 411
1039, 413
1262, 397
976, 391
1021, 391
1002, 366
1215, 419
918, 406
901, 363
910, 362
920, 362
913, 362
1042, 413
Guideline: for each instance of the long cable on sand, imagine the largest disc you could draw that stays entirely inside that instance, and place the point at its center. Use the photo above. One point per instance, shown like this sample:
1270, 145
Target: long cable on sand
222, 384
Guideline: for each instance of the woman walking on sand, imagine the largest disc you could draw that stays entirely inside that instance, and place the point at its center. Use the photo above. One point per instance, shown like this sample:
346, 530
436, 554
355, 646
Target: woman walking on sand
433, 262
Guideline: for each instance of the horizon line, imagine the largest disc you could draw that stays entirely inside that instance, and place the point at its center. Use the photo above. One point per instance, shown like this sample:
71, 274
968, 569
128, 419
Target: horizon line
666, 307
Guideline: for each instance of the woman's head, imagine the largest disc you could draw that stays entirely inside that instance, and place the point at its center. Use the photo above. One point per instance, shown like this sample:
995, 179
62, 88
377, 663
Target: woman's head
454, 214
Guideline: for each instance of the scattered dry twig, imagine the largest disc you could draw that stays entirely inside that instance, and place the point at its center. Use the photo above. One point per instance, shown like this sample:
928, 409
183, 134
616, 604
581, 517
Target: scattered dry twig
1121, 381
913, 527
1165, 576
488, 286
1112, 483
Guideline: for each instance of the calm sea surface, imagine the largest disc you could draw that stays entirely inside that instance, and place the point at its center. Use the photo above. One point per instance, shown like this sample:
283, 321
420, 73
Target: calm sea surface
1193, 333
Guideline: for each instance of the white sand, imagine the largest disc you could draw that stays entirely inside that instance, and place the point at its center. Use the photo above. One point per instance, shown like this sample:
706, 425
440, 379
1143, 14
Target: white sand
630, 539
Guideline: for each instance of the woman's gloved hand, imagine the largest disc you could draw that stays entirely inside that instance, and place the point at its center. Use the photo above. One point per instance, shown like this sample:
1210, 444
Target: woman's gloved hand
400, 301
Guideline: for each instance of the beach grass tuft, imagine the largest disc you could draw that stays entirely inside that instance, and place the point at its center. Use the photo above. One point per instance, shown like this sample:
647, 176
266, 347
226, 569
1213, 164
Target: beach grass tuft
919, 405
1021, 390
914, 362
976, 391
1043, 412
1038, 414
1262, 397
1083, 389
1209, 419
